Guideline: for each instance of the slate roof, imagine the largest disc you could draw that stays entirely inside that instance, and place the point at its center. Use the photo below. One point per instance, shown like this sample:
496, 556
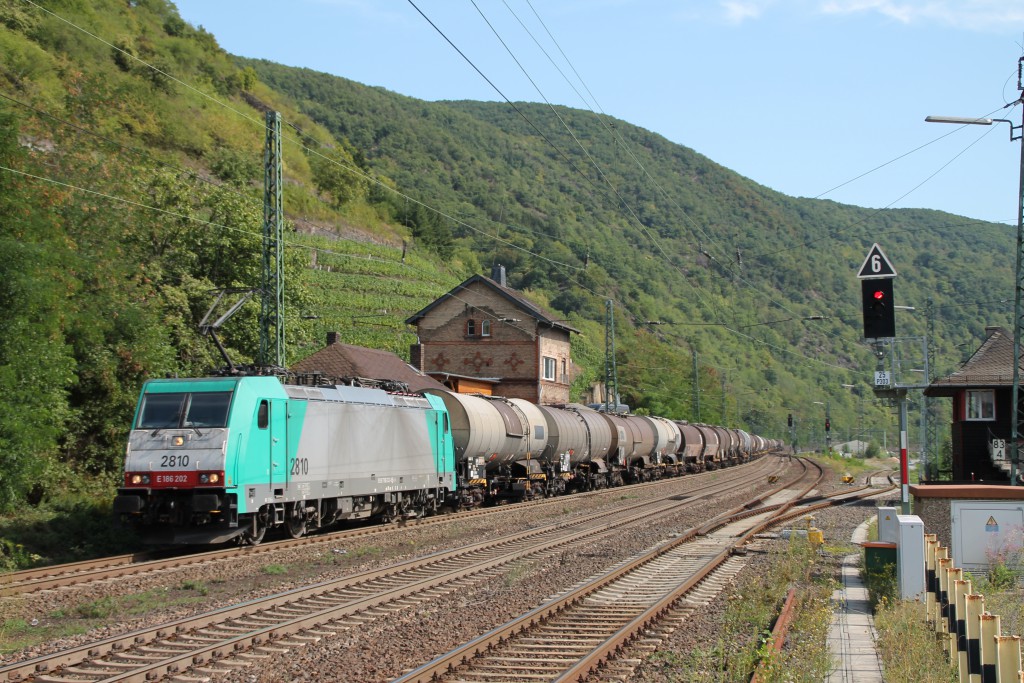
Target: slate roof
515, 298
339, 360
991, 366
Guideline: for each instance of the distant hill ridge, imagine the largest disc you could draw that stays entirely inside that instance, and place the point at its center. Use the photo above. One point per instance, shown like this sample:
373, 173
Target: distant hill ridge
135, 148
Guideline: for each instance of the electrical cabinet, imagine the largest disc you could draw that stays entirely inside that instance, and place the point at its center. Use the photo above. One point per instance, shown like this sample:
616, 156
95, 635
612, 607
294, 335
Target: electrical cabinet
986, 531
910, 557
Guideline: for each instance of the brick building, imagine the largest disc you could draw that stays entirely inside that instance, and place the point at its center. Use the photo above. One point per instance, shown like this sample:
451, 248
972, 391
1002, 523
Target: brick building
981, 390
483, 337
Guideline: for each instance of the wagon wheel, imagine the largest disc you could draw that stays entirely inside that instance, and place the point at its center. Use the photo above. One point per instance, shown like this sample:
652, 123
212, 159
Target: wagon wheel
295, 520
254, 532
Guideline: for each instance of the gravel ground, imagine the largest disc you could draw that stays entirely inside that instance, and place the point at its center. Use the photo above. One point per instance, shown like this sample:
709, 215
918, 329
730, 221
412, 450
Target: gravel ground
382, 648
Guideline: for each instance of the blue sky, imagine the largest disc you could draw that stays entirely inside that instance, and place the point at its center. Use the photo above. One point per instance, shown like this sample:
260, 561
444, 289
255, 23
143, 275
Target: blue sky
803, 96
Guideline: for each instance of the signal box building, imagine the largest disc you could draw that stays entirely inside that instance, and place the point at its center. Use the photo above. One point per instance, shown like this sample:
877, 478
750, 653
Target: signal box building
977, 515
982, 409
484, 337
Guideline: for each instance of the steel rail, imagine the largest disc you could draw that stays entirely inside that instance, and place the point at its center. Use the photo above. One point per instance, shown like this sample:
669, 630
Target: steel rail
75, 657
77, 573
605, 651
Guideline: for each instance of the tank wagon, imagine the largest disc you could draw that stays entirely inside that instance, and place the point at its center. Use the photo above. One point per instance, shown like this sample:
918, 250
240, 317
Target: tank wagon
215, 459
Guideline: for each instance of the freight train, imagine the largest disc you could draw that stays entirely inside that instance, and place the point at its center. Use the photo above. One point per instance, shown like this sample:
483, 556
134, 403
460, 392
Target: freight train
215, 459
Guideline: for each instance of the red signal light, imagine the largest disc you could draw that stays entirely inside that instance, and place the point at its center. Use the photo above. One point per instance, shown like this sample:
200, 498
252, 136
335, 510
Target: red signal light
879, 295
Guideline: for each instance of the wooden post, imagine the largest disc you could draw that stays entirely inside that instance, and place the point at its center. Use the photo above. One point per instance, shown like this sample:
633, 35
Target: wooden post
958, 633
989, 633
953, 574
931, 546
942, 603
1008, 651
975, 607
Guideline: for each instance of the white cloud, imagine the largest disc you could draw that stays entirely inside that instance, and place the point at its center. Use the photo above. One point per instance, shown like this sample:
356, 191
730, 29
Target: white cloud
977, 15
738, 11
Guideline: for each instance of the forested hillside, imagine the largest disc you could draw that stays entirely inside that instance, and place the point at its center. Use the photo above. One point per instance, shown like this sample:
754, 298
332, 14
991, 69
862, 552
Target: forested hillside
131, 193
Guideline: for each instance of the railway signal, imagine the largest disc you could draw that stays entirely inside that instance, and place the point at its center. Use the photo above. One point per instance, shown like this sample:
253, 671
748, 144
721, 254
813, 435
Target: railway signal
877, 305
876, 275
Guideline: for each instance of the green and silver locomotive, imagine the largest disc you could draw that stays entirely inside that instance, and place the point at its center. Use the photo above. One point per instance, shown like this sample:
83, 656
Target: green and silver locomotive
213, 459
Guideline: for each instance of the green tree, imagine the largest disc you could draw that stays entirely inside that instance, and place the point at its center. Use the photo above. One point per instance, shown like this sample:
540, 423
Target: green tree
36, 367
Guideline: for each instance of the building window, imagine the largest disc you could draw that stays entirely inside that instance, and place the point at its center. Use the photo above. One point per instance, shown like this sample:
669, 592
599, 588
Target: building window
550, 367
981, 405
485, 328
565, 375
470, 328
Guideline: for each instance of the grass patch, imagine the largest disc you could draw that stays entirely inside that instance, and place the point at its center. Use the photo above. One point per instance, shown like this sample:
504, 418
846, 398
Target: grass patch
56, 532
855, 466
910, 652
909, 648
517, 572
747, 622
18, 634
275, 569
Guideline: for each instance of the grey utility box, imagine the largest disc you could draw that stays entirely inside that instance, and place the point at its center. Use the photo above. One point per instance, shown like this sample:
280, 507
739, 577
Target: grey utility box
985, 531
910, 557
887, 526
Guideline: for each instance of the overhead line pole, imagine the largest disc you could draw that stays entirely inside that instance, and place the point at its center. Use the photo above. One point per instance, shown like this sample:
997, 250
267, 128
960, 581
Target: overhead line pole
272, 285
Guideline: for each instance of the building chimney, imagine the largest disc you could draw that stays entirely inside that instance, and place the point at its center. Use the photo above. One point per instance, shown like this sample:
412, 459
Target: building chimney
333, 338
416, 356
498, 274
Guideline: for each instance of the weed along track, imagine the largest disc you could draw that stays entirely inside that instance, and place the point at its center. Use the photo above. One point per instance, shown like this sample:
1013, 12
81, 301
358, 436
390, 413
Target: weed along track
215, 642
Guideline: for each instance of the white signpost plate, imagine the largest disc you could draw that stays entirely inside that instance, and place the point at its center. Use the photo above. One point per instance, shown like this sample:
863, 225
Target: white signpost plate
876, 265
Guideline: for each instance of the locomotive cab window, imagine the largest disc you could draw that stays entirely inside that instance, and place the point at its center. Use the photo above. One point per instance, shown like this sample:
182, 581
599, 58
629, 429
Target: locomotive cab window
263, 417
981, 405
181, 409
208, 410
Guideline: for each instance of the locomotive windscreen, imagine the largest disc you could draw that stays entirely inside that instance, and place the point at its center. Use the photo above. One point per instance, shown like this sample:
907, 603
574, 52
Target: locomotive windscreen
182, 409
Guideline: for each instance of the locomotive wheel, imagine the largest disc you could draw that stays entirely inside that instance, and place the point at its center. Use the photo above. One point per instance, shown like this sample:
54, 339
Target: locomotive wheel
294, 520
253, 536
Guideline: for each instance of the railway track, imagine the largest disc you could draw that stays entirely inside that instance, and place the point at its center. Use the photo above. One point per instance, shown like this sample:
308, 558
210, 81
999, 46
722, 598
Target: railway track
200, 646
103, 569
580, 634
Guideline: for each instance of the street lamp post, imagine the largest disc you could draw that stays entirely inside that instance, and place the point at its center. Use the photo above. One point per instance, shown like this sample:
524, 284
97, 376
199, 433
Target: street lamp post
1015, 396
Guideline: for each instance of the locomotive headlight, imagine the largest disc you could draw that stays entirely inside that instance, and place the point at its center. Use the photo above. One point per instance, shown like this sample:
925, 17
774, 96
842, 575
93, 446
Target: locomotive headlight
139, 479
210, 477
179, 440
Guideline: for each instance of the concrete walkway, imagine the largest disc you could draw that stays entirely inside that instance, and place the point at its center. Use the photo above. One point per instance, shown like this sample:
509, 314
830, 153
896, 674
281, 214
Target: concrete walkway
851, 637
